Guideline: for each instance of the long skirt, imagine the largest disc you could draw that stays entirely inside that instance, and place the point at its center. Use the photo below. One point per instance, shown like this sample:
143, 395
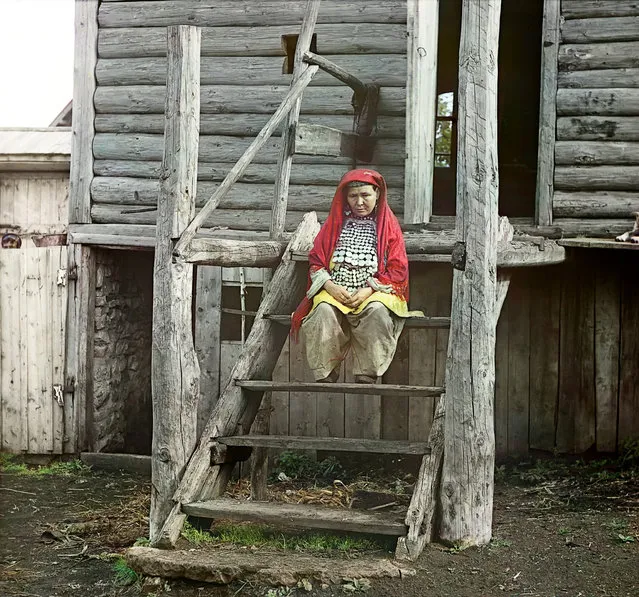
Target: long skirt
372, 335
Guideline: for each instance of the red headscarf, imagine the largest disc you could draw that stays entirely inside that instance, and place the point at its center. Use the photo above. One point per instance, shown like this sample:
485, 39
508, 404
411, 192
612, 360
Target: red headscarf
392, 266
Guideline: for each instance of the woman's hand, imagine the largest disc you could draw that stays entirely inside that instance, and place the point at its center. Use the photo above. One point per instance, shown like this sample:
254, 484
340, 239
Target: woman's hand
358, 297
338, 292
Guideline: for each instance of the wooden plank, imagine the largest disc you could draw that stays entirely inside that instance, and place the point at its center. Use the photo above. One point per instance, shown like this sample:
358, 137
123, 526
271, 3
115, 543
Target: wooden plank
595, 228
387, 70
607, 344
594, 204
362, 414
175, 374
261, 40
601, 29
629, 355
547, 112
502, 377
410, 322
331, 410
302, 395
241, 125
599, 55
208, 304
394, 410
85, 59
595, 128
518, 366
352, 388
597, 153
298, 516
596, 178
338, 444
598, 243
280, 400
576, 405
545, 300
583, 9
238, 99
312, 139
234, 253
58, 289
421, 106
606, 78
219, 13
615, 101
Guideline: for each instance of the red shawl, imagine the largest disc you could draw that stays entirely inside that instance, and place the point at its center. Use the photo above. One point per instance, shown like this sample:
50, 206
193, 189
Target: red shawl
391, 251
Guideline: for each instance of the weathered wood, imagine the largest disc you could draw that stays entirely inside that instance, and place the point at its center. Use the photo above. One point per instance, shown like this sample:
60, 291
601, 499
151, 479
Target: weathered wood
596, 153
596, 128
579, 102
234, 253
135, 464
601, 55
312, 139
258, 358
547, 113
469, 445
583, 9
526, 254
338, 444
387, 70
340, 73
607, 346
261, 40
594, 228
298, 516
219, 13
595, 204
616, 78
394, 409
599, 243
175, 370
501, 382
628, 408
596, 178
85, 58
351, 388
238, 99
409, 322
421, 105
600, 29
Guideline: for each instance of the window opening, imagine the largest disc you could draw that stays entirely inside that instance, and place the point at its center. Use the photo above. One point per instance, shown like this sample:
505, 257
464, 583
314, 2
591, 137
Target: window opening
445, 130
289, 45
241, 296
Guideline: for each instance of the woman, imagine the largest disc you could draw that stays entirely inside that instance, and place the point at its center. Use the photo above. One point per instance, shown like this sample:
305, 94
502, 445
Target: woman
358, 288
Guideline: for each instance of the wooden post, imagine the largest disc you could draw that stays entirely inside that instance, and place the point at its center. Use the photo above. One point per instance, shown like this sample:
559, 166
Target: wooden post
175, 370
421, 105
469, 442
547, 113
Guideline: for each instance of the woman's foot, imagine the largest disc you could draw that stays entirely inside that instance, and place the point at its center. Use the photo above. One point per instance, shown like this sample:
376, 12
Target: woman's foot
331, 377
365, 379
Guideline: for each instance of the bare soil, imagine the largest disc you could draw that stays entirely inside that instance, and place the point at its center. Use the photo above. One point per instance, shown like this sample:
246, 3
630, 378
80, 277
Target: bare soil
559, 530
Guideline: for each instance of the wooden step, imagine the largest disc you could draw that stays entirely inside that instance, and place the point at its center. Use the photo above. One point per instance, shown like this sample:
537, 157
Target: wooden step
346, 388
336, 444
409, 322
299, 516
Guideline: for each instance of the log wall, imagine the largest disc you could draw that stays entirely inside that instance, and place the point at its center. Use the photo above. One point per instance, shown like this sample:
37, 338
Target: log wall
597, 149
242, 84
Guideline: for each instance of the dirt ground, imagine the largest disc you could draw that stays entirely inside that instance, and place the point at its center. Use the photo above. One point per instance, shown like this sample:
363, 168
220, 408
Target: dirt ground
559, 530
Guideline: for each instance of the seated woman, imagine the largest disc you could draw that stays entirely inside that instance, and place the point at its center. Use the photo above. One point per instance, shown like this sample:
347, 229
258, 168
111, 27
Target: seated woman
358, 288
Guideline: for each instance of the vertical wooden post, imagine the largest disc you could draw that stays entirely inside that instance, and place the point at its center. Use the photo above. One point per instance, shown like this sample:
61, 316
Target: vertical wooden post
421, 106
469, 439
547, 113
174, 366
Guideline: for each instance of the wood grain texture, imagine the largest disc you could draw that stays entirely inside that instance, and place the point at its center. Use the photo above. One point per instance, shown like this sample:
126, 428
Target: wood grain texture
599, 55
611, 101
583, 9
596, 178
595, 204
601, 29
597, 153
600, 78
350, 387
596, 128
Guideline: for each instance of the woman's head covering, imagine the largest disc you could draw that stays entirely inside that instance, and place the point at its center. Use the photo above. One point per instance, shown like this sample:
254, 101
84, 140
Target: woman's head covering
391, 251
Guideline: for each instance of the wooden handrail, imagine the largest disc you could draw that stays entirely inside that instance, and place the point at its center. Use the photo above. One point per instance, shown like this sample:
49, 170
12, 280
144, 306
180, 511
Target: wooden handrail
234, 174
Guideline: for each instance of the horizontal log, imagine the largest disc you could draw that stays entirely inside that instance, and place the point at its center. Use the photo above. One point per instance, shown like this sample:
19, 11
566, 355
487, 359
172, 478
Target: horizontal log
222, 13
312, 139
409, 322
596, 153
238, 125
297, 516
234, 253
596, 204
598, 243
336, 444
597, 79
597, 228
597, 128
597, 178
236, 99
349, 388
226, 149
525, 254
140, 192
583, 9
580, 102
306, 174
600, 29
387, 70
338, 38
623, 54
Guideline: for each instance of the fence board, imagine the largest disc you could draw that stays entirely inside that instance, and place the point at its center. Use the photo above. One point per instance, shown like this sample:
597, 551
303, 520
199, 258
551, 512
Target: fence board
279, 400
501, 382
395, 408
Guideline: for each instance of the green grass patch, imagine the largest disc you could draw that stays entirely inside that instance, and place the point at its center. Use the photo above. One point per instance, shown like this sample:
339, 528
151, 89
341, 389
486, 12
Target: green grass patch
301, 467
10, 463
124, 575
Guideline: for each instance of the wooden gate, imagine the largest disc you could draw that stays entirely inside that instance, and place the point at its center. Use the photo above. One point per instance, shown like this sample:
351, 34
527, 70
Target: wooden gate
33, 297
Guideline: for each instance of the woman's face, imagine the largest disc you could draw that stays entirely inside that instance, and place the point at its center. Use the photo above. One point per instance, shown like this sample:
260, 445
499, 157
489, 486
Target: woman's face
362, 200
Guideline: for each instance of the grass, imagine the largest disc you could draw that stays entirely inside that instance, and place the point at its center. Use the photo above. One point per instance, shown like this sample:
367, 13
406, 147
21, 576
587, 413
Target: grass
124, 575
10, 464
252, 535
